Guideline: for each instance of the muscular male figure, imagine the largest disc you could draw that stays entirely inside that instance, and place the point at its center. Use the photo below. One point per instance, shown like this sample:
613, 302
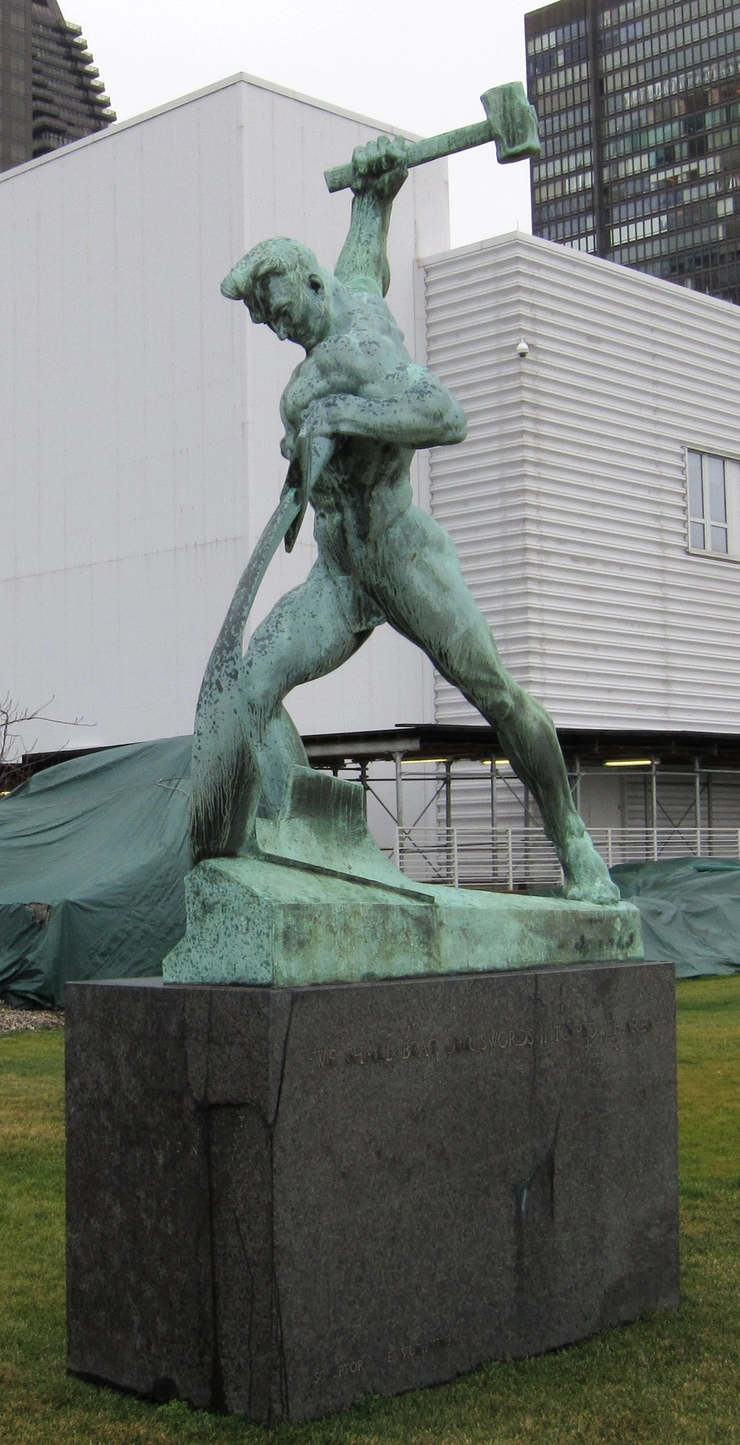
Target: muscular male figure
354, 411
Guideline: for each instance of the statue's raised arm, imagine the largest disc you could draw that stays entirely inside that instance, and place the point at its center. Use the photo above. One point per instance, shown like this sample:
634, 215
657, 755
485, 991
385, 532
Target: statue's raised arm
379, 170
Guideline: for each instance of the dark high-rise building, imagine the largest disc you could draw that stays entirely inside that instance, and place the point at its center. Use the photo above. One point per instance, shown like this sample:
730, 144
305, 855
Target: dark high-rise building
639, 108
50, 93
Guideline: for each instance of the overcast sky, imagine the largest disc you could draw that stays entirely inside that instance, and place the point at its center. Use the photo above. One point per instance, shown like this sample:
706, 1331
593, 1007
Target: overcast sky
417, 64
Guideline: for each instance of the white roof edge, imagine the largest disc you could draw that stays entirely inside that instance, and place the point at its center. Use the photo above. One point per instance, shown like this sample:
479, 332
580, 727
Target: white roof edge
240, 78
630, 274
474, 246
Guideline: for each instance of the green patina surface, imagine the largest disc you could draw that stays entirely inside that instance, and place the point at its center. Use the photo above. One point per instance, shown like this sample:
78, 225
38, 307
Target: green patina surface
510, 121
256, 922
355, 410
288, 887
318, 902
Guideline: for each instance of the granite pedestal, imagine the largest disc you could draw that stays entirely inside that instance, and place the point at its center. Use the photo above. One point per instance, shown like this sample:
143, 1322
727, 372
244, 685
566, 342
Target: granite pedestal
281, 1198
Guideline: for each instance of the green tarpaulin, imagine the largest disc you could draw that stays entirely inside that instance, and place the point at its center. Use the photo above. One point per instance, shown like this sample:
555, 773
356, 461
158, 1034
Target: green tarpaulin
93, 854
92, 858
690, 911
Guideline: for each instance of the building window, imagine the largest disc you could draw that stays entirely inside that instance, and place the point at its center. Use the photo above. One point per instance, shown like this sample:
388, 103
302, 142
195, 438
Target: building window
714, 504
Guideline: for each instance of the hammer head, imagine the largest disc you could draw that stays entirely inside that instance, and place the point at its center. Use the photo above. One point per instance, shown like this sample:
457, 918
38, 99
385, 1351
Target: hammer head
513, 123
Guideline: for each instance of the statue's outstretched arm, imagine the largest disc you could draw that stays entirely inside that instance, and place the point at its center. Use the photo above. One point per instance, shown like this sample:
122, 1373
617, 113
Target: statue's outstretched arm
379, 172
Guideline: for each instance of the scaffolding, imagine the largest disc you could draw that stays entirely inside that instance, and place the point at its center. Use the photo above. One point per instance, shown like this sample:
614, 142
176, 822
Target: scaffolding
680, 794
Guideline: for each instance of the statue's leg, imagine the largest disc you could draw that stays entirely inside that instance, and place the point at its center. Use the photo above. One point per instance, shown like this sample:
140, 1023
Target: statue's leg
424, 596
306, 636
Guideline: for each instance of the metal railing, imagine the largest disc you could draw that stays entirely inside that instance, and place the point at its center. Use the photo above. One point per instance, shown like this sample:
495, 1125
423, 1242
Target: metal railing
511, 858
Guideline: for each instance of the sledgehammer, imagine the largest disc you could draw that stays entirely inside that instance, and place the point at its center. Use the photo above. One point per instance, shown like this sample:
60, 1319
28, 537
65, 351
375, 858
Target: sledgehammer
510, 120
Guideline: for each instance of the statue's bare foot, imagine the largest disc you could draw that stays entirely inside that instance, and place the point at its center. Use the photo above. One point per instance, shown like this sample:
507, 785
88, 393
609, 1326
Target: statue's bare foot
586, 874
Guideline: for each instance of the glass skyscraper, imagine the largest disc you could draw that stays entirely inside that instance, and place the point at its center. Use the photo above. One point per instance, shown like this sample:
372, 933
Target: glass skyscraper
50, 91
639, 108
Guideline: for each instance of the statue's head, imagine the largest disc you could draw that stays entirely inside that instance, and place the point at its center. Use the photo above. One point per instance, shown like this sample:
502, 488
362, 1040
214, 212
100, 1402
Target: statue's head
282, 284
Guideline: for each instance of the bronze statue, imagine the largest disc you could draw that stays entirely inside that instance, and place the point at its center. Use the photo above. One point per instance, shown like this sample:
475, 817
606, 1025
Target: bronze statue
355, 410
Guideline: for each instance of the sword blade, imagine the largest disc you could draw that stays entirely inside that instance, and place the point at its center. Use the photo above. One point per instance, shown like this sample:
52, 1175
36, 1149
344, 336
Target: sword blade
224, 780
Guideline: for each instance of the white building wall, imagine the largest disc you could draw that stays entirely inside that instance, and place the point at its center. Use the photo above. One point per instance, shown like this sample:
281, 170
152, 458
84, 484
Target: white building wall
139, 426
568, 500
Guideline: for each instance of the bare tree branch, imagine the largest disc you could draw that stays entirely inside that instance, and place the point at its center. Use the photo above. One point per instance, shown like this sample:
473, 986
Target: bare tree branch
12, 716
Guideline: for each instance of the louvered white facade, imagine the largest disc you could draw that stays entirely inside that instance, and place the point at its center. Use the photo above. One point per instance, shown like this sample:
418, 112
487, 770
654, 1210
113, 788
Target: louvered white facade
568, 501
568, 504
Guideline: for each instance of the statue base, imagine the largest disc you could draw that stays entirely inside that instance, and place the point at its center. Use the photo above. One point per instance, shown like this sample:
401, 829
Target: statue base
279, 1199
250, 921
317, 902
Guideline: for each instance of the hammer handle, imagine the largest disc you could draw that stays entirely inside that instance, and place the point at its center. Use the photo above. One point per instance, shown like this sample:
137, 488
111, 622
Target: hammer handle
424, 150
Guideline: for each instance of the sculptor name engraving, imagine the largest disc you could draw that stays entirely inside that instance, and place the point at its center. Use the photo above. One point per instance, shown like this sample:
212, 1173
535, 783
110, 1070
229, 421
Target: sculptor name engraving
487, 1041
338, 1371
415, 1349
394, 1355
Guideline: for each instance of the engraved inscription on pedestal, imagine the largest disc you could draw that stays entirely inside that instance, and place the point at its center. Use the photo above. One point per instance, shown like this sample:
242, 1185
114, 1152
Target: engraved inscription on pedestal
360, 1187
438, 1050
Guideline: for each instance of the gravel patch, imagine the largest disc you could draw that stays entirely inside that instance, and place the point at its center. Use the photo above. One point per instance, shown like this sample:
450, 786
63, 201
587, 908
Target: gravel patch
15, 1020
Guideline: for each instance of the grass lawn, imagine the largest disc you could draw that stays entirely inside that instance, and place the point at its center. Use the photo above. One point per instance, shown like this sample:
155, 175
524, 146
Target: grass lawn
672, 1378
